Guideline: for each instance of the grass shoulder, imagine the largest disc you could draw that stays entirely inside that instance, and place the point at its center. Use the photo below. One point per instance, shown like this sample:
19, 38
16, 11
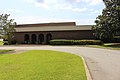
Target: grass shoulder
113, 46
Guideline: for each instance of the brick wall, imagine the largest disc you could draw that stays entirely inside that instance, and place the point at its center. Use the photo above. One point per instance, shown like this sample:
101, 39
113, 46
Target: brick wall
82, 34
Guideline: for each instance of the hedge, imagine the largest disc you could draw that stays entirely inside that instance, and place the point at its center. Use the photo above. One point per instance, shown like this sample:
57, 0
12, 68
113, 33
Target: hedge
75, 42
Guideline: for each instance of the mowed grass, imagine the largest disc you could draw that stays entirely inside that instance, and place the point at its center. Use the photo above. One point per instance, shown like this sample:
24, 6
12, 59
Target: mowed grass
113, 46
1, 43
41, 65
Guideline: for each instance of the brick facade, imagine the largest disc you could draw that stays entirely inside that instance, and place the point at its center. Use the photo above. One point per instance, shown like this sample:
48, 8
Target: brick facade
70, 35
42, 33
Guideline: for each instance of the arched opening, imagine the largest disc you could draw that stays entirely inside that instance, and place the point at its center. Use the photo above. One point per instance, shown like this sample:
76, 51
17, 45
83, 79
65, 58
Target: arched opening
48, 37
26, 39
33, 38
41, 38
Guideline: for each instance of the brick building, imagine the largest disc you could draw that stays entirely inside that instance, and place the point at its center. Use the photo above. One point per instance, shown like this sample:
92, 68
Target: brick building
42, 33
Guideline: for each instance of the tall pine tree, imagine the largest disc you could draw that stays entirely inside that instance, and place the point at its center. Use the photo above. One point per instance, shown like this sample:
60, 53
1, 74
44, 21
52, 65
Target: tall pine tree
108, 24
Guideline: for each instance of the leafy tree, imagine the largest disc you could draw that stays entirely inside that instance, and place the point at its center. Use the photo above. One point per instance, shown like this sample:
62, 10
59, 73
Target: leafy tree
7, 27
108, 24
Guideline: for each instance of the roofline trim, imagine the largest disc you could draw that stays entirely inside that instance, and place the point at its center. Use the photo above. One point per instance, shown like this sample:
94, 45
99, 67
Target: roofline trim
47, 24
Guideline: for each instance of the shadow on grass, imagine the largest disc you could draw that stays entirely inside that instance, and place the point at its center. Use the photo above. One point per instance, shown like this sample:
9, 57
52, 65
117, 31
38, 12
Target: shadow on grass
6, 51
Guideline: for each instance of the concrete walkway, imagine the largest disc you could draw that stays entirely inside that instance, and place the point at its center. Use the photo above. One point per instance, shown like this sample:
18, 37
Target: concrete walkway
103, 64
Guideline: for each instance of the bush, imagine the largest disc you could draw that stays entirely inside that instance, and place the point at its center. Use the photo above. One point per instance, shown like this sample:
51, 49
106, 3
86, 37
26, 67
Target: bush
5, 42
61, 42
13, 42
88, 42
116, 40
112, 45
75, 42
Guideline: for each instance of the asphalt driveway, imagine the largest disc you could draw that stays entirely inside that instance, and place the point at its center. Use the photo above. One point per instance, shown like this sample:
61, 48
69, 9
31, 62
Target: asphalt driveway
103, 64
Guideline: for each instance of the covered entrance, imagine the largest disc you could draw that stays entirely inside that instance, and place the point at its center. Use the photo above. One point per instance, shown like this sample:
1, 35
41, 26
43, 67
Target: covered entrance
41, 38
26, 39
33, 39
37, 38
48, 38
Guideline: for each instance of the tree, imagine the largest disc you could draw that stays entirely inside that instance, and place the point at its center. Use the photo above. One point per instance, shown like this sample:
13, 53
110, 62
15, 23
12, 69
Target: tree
108, 24
7, 27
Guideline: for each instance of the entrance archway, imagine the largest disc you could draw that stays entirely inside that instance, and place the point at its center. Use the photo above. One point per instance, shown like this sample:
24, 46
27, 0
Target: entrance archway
41, 38
33, 38
48, 37
26, 39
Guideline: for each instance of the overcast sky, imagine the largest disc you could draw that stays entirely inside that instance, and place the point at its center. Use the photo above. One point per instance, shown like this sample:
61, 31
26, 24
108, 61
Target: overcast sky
83, 12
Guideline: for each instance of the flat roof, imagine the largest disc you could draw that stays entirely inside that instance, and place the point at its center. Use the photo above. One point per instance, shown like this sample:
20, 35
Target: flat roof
47, 24
62, 26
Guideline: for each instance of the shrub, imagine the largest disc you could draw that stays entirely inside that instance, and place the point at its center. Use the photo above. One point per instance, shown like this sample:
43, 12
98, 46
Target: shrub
88, 42
14, 42
116, 40
112, 45
61, 42
75, 42
5, 42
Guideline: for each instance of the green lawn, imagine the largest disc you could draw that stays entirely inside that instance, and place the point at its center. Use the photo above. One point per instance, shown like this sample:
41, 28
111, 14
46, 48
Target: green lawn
41, 65
1, 42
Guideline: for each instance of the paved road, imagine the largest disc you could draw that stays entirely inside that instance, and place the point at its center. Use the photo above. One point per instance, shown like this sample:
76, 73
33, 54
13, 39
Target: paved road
103, 64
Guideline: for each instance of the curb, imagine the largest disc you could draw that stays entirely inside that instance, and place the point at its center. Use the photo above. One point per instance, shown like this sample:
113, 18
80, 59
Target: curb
89, 77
